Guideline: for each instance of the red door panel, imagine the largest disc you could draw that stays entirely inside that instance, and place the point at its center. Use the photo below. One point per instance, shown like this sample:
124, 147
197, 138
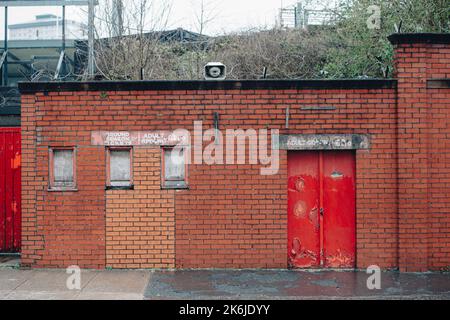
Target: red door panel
2, 193
339, 209
10, 185
303, 210
9, 217
16, 165
321, 209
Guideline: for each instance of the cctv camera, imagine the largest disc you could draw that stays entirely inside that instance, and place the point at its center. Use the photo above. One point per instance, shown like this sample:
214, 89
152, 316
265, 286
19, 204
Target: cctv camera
215, 71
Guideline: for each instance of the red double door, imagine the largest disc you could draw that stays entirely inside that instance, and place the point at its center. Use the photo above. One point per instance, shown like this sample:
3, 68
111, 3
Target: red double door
10, 204
321, 209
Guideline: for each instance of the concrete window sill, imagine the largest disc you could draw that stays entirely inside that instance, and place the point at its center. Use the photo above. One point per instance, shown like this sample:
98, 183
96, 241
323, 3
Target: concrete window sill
184, 187
62, 189
119, 187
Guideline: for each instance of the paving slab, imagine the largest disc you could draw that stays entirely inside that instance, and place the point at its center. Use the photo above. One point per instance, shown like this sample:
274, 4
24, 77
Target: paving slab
11, 278
281, 284
118, 281
44, 280
44, 284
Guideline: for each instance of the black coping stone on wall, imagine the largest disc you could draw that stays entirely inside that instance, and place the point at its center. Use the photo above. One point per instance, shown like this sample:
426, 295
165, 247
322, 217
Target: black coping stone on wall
409, 38
33, 87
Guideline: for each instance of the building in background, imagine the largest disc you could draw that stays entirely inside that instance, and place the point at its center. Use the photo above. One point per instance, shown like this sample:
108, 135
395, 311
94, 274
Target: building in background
40, 60
47, 27
304, 14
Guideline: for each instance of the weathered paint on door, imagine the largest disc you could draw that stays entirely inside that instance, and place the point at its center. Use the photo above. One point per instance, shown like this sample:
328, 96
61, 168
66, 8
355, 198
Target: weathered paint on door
303, 209
321, 209
10, 185
339, 218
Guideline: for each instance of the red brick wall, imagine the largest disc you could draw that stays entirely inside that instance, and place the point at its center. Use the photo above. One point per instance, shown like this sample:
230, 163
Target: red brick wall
31, 240
439, 179
438, 61
413, 158
60, 228
424, 187
439, 160
140, 223
232, 217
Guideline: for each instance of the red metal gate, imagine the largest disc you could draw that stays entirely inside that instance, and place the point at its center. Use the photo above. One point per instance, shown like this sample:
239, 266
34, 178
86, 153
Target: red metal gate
321, 209
10, 206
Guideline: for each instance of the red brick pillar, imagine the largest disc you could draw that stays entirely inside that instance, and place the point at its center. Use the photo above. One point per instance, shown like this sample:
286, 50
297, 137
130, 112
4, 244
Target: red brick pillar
412, 61
31, 241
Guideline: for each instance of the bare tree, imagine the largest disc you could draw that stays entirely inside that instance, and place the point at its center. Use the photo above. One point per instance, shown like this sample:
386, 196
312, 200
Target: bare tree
140, 54
137, 53
205, 12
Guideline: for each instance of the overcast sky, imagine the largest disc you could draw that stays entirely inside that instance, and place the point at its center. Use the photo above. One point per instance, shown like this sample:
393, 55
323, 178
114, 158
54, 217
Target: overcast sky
231, 15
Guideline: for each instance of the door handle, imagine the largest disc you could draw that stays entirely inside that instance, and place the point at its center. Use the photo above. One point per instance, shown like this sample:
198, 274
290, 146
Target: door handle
321, 212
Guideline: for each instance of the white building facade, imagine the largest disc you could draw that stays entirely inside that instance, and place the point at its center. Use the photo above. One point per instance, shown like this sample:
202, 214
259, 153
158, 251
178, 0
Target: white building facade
47, 27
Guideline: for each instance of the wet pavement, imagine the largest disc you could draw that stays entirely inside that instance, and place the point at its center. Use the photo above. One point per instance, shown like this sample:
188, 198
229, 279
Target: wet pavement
280, 284
44, 284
